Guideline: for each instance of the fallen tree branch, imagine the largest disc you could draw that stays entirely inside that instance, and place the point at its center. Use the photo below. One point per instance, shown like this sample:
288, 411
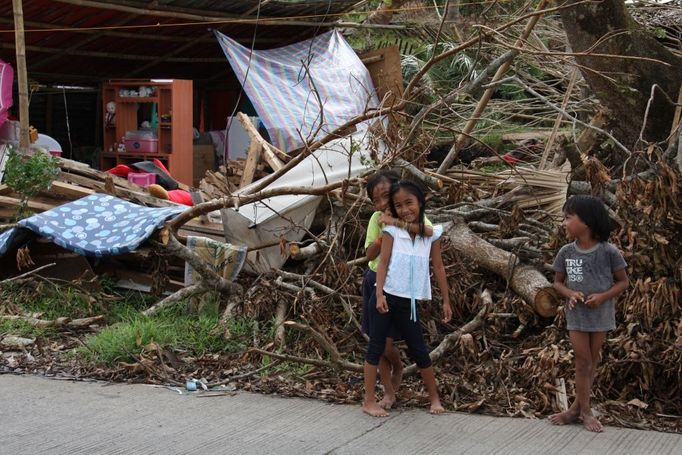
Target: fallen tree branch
321, 287
30, 272
63, 322
182, 294
449, 341
300, 253
529, 283
432, 182
316, 362
241, 199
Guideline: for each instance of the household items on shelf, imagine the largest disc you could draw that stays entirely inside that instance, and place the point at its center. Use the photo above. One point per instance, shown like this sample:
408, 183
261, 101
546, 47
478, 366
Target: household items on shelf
141, 141
148, 119
142, 92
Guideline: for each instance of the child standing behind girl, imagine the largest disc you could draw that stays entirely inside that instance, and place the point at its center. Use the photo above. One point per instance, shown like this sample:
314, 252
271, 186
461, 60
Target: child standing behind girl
402, 278
584, 273
390, 365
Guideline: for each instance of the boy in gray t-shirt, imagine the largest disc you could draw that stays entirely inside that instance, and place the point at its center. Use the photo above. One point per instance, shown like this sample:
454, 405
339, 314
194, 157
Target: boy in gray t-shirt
590, 271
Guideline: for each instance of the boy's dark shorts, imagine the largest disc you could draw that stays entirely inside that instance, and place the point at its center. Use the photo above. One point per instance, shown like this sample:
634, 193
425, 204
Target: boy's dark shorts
368, 301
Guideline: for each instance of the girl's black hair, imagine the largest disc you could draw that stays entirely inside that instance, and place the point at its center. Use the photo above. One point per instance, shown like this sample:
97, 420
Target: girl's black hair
417, 192
593, 213
378, 177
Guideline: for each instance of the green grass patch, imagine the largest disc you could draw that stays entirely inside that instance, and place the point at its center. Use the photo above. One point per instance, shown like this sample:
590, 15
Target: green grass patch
50, 301
24, 329
171, 329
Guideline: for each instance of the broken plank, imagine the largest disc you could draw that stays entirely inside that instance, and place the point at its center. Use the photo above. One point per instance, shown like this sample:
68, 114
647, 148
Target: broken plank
270, 152
68, 190
8, 201
252, 159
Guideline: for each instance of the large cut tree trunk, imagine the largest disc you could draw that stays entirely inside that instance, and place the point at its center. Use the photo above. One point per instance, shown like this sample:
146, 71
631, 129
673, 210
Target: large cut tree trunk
526, 281
624, 84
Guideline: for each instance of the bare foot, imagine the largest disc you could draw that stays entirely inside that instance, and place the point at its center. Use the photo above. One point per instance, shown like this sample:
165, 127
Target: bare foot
387, 402
591, 423
374, 409
436, 407
397, 377
564, 418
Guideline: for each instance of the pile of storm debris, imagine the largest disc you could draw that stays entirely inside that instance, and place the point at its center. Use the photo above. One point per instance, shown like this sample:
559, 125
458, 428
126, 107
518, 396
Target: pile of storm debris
301, 221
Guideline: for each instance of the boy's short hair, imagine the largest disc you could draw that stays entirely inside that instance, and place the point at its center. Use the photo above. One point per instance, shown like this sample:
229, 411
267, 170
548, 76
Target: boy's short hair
380, 176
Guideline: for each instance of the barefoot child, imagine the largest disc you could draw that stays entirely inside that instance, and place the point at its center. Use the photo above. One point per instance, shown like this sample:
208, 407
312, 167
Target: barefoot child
402, 278
584, 274
390, 365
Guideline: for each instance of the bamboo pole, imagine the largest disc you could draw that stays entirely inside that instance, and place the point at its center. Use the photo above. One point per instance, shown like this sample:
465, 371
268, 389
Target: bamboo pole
22, 77
558, 120
218, 18
100, 54
483, 102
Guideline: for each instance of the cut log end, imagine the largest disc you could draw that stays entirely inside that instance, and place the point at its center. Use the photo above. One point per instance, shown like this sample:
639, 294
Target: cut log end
546, 302
294, 249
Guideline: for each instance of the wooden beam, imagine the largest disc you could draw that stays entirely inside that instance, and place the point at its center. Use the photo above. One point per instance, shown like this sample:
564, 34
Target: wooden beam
132, 35
219, 18
252, 159
32, 204
22, 77
270, 152
109, 55
46, 61
69, 191
166, 56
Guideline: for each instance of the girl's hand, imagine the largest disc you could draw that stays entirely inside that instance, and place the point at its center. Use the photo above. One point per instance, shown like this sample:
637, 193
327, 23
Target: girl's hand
594, 300
574, 297
447, 312
387, 219
382, 306
377, 242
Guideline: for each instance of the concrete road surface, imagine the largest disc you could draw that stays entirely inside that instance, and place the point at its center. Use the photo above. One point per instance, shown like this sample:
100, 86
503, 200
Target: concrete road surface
44, 416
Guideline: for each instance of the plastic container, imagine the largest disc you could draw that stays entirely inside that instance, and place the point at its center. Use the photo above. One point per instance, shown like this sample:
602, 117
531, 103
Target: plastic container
49, 144
141, 142
142, 178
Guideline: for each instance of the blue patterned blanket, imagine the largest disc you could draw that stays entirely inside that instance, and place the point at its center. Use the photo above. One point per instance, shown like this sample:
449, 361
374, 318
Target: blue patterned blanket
95, 225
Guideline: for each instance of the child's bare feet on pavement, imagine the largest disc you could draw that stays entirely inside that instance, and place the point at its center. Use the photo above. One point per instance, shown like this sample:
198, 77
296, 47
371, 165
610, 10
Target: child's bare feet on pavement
436, 407
387, 401
372, 408
591, 423
564, 418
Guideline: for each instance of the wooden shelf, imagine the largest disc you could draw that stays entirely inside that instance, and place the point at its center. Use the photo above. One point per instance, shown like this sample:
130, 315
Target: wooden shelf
136, 99
141, 156
172, 98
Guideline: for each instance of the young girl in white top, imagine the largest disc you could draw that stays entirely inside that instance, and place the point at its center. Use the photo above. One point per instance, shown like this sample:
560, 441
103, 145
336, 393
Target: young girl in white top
402, 278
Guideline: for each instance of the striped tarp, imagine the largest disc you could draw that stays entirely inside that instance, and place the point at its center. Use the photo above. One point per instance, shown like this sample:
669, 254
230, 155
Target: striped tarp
287, 85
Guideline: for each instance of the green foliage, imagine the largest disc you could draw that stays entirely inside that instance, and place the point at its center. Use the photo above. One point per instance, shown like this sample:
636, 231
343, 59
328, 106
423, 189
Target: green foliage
170, 329
28, 175
659, 33
511, 92
50, 302
24, 329
494, 168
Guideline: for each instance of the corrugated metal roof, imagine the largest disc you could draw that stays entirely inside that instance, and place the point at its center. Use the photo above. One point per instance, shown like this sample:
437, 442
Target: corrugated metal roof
76, 41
